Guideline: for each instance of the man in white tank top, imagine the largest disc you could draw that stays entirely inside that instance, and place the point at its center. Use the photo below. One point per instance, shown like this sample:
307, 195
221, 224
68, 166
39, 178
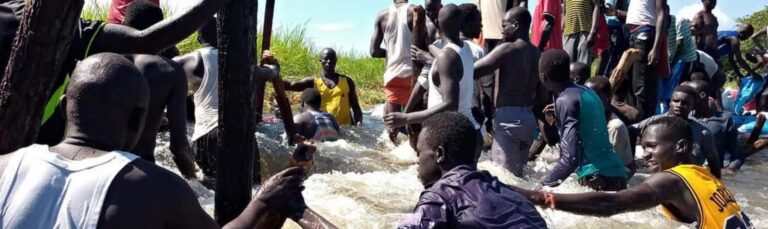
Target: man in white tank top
393, 29
90, 181
451, 82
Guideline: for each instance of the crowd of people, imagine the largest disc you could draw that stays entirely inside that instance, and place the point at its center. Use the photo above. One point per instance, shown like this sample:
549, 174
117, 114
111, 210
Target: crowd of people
493, 71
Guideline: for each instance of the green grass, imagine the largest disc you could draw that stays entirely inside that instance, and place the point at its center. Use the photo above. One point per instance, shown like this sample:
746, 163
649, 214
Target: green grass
298, 59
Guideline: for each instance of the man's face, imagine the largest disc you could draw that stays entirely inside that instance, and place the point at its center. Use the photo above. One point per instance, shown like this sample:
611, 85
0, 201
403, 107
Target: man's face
510, 26
433, 8
709, 4
659, 150
328, 61
681, 104
428, 169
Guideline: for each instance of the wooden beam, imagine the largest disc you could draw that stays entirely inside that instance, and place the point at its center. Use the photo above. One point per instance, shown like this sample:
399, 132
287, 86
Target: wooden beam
238, 151
41, 46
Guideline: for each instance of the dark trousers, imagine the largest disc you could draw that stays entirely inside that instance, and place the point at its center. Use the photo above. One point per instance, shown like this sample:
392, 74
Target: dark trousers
645, 84
207, 152
619, 43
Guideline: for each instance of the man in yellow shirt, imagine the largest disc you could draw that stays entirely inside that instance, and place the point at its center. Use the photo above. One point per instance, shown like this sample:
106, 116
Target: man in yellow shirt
686, 192
337, 91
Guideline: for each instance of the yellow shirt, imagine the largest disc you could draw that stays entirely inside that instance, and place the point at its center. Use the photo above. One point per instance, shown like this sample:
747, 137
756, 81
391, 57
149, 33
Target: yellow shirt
335, 100
717, 205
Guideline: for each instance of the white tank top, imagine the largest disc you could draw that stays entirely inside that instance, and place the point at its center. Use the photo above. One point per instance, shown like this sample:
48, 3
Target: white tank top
642, 12
397, 38
466, 84
41, 189
206, 97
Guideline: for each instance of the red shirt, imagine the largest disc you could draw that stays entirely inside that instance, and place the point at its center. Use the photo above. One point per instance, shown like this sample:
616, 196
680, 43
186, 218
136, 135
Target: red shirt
117, 10
554, 8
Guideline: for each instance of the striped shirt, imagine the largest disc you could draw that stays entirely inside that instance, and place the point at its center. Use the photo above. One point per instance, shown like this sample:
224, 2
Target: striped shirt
688, 51
578, 16
672, 40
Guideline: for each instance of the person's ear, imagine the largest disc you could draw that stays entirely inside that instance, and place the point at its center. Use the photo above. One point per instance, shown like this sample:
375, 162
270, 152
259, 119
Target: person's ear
682, 146
440, 155
702, 95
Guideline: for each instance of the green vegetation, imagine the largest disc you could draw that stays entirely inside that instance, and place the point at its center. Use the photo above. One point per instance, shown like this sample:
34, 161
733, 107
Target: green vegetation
298, 59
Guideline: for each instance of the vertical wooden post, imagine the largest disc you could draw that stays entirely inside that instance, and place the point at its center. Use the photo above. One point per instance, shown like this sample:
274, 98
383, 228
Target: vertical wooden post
41, 46
238, 150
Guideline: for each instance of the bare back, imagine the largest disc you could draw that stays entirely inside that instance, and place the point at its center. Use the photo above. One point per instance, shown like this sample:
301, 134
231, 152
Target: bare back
517, 83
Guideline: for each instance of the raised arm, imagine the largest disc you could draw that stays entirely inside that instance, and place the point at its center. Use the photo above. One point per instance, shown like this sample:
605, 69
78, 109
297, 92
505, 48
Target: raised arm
299, 85
354, 103
123, 39
378, 38
658, 189
571, 151
489, 63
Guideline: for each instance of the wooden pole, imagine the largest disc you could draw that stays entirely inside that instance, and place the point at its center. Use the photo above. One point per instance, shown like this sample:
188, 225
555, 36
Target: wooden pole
238, 151
266, 42
277, 83
41, 46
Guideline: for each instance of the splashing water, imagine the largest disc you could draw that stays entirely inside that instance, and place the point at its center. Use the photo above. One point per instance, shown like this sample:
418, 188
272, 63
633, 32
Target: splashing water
365, 181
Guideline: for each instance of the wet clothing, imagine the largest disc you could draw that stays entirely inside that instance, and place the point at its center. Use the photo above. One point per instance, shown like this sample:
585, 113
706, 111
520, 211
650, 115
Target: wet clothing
703, 141
512, 137
584, 144
466, 84
492, 13
335, 100
206, 98
118, 7
724, 47
467, 198
42, 189
324, 127
207, 152
547, 7
717, 205
397, 40
725, 134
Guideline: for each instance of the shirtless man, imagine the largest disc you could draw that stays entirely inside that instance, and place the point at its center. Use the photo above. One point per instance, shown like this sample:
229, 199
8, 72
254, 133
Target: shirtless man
312, 123
101, 184
729, 44
339, 93
393, 28
685, 191
517, 90
706, 24
451, 82
433, 9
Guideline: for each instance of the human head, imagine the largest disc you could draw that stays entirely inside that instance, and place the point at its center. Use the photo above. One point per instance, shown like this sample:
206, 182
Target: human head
433, 8
207, 35
579, 73
555, 70
699, 75
310, 98
473, 21
702, 91
447, 140
683, 100
107, 100
695, 25
667, 142
709, 4
516, 24
450, 21
745, 31
142, 14
602, 87
328, 60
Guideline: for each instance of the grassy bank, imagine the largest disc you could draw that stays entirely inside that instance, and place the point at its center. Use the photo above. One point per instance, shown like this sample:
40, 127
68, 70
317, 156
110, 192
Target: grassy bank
298, 59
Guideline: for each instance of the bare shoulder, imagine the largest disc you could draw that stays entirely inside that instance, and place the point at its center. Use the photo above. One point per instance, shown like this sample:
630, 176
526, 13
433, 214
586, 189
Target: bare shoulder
155, 180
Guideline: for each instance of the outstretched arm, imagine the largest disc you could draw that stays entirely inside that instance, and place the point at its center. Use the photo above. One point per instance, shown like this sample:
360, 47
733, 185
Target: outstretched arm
123, 39
378, 38
736, 46
354, 103
657, 189
489, 63
300, 85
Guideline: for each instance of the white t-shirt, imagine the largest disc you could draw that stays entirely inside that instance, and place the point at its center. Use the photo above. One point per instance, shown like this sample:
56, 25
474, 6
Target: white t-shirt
493, 14
709, 63
641, 12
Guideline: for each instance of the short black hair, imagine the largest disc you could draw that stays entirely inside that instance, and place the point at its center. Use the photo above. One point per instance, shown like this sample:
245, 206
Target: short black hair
582, 70
699, 75
311, 96
701, 86
556, 65
142, 14
207, 34
687, 89
522, 16
470, 11
455, 133
675, 129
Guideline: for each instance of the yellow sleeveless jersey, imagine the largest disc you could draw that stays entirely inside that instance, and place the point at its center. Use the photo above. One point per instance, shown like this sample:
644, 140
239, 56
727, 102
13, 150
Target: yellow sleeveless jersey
717, 205
335, 100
